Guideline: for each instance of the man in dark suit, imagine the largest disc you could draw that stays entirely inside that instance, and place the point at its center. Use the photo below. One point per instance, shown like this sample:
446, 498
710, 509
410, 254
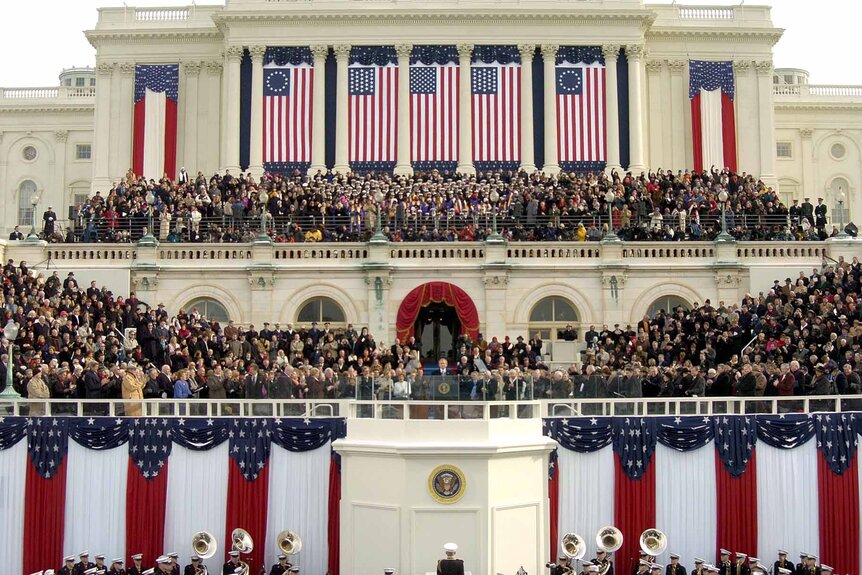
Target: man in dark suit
675, 568
232, 563
281, 567
450, 565
83, 564
50, 219
807, 211
820, 214
16, 235
254, 386
782, 562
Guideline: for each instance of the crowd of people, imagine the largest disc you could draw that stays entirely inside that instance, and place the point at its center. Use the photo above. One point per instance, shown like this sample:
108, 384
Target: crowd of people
439, 206
800, 337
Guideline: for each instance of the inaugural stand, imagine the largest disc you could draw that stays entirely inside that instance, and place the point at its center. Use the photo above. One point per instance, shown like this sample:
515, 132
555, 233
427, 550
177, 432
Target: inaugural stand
411, 486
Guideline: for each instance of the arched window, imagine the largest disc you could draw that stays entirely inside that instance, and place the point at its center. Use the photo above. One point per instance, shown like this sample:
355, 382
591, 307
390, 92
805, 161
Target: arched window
209, 309
667, 304
26, 193
321, 310
550, 316
839, 190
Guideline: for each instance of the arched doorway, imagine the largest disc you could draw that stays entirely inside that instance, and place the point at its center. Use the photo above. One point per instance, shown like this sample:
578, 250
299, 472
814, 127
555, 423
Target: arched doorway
436, 313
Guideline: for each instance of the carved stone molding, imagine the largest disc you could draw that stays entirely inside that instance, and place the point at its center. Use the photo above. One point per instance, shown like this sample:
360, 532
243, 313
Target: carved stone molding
256, 52
233, 53
763, 67
145, 282
383, 280
465, 50
609, 279
499, 281
527, 51
727, 280
126, 68
213, 67
191, 68
550, 50
611, 50
635, 52
105, 69
654, 66
260, 282
676, 66
742, 66
404, 50
806, 133
320, 50
342, 51
61, 136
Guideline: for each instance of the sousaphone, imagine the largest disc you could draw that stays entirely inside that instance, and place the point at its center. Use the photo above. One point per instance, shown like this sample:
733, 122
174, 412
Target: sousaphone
288, 542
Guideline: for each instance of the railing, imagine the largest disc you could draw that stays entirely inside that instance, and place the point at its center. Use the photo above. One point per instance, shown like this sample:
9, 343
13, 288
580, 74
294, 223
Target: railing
48, 93
445, 409
161, 14
817, 90
705, 13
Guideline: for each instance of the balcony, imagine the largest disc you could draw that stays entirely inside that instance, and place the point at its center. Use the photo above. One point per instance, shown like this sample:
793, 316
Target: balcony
56, 93
826, 93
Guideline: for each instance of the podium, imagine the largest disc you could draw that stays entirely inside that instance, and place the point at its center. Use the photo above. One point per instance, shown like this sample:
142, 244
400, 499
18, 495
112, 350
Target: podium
408, 486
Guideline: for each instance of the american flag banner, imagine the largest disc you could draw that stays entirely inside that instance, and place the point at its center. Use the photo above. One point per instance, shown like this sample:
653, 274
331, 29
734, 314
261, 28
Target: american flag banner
372, 107
581, 133
434, 113
496, 105
287, 113
713, 119
154, 142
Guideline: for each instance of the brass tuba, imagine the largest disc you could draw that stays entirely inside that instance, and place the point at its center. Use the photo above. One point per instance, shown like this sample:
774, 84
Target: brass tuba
609, 539
573, 546
653, 542
204, 544
242, 540
288, 542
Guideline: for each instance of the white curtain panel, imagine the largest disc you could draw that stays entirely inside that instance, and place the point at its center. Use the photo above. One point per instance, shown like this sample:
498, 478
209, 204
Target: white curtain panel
13, 473
586, 493
299, 501
196, 500
96, 501
685, 506
787, 506
710, 123
154, 134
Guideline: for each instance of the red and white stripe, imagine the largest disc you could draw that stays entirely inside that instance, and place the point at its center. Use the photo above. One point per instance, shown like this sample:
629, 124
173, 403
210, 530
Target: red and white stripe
434, 119
373, 120
581, 133
497, 119
287, 119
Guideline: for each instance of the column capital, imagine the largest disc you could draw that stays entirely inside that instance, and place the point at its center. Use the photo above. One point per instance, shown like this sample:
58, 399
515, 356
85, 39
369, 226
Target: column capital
320, 50
550, 50
654, 66
126, 68
191, 68
404, 50
676, 66
465, 50
233, 53
342, 51
256, 52
806, 133
105, 69
213, 66
763, 67
742, 65
527, 51
610, 50
635, 52
61, 136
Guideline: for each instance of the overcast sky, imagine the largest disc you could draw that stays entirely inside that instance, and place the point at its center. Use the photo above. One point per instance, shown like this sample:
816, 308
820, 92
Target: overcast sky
41, 37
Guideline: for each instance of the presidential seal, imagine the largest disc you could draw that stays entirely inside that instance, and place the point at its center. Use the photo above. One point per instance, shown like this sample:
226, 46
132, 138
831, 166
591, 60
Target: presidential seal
447, 484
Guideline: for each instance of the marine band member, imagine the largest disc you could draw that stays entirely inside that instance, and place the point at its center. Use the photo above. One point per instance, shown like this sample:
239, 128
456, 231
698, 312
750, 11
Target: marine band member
175, 565
699, 567
68, 566
281, 567
561, 567
724, 563
782, 562
450, 565
193, 568
675, 568
232, 563
83, 564
116, 567
740, 568
604, 563
135, 567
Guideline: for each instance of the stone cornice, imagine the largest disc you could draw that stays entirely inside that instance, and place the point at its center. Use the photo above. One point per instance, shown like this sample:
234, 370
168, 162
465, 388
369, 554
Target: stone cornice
831, 106
47, 108
754, 35
99, 39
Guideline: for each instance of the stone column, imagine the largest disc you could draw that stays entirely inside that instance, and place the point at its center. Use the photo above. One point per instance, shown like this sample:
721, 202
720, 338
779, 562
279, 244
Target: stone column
102, 136
747, 109
191, 70
114, 152
767, 122
678, 101
549, 57
807, 157
404, 164
465, 113
342, 157
233, 56
59, 195
318, 121
635, 54
127, 92
255, 156
612, 107
528, 156
656, 154
209, 147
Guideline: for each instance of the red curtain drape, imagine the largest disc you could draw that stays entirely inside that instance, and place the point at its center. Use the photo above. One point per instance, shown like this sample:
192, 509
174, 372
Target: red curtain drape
44, 518
696, 134
334, 525
140, 113
146, 502
634, 511
171, 138
736, 507
246, 507
437, 292
838, 498
728, 131
554, 506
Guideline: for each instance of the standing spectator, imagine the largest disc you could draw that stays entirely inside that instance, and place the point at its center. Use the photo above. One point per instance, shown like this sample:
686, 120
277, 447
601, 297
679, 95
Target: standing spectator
37, 389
